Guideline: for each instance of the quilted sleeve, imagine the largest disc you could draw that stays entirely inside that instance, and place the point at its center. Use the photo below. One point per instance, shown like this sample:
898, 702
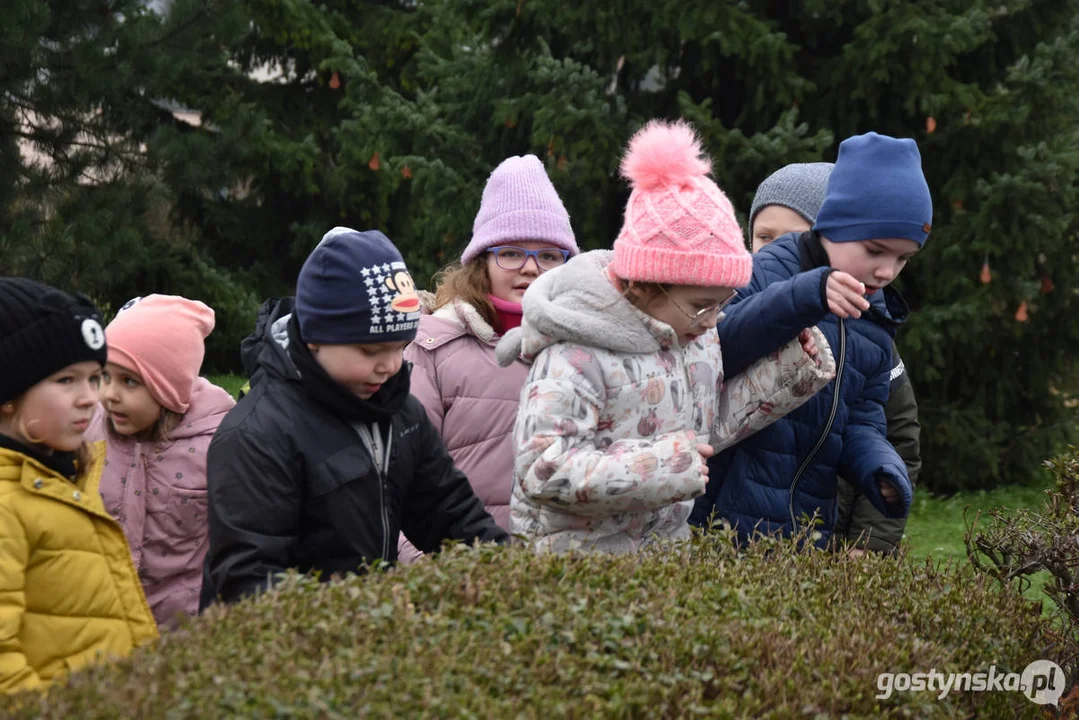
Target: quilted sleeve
770, 388
763, 318
15, 671
868, 458
560, 465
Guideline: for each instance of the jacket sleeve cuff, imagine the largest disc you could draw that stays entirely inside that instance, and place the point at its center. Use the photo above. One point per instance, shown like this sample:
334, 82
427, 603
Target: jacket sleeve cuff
824, 287
897, 478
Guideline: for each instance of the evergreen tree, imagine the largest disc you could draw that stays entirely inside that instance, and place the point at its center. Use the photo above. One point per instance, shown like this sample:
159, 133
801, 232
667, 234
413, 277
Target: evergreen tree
83, 87
989, 92
391, 114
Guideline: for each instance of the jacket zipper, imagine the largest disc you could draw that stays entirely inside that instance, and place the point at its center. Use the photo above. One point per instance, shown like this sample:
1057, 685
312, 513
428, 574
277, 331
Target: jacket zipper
381, 496
828, 426
382, 466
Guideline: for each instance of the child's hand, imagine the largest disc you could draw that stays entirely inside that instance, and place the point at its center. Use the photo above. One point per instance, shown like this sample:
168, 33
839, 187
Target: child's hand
888, 492
706, 452
809, 345
846, 296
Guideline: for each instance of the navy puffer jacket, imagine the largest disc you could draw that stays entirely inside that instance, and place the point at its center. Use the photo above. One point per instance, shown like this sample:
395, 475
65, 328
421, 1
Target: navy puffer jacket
774, 480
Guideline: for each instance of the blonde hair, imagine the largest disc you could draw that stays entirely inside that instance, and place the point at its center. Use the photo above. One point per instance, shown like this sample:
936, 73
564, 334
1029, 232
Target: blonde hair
469, 283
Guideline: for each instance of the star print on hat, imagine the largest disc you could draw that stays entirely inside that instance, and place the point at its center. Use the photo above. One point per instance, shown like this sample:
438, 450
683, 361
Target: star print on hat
355, 288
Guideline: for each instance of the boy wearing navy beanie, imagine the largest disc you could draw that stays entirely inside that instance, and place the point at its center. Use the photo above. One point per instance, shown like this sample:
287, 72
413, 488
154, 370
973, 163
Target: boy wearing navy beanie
328, 457
876, 216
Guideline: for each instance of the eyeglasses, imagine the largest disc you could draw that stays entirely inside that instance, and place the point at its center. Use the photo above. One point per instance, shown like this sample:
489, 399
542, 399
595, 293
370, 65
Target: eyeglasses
511, 257
705, 316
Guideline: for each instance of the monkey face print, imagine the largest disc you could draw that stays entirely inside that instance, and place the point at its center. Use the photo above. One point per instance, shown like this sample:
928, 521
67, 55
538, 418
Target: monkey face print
395, 306
406, 300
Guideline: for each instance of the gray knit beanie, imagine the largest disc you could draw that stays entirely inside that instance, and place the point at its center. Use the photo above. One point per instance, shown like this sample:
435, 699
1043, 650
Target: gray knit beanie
799, 186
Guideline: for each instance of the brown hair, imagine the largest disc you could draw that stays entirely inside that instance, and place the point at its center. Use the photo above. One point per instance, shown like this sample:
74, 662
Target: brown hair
83, 458
641, 294
469, 283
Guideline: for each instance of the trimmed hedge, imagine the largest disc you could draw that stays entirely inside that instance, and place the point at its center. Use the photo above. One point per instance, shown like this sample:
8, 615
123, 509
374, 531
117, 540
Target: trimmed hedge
497, 632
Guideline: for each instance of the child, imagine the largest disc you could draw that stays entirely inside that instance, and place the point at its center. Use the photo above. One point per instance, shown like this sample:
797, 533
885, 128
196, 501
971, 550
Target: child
157, 419
621, 401
875, 217
70, 593
788, 202
328, 457
521, 231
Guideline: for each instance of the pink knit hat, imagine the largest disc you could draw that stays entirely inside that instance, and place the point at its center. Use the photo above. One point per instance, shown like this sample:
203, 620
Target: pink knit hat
160, 337
520, 203
679, 227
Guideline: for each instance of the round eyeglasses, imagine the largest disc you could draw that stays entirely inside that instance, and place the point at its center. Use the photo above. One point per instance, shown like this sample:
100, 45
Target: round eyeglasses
511, 257
704, 317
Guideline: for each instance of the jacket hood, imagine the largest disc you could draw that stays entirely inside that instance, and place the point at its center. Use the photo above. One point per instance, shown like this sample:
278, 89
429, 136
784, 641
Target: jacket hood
427, 301
888, 309
209, 405
577, 303
266, 349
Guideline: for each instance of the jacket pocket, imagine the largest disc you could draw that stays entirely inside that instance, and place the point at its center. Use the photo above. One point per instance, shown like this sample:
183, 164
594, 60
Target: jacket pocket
177, 520
347, 466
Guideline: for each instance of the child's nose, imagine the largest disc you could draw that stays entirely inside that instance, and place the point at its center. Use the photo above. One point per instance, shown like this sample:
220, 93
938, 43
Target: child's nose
886, 272
531, 267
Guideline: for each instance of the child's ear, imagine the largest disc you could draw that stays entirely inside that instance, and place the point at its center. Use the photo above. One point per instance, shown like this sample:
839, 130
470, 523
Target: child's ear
313, 348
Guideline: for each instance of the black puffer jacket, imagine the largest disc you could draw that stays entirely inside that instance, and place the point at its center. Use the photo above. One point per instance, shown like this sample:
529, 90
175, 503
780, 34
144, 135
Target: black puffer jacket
292, 484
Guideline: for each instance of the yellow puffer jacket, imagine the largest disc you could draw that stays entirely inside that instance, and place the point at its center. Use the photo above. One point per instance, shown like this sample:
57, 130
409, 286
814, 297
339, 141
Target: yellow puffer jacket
69, 595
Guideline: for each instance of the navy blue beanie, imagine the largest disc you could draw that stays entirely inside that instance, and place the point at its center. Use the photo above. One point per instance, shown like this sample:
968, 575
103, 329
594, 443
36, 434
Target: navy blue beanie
355, 288
876, 191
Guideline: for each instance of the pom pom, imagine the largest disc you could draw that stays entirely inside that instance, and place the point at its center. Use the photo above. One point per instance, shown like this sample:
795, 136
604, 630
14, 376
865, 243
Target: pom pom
663, 154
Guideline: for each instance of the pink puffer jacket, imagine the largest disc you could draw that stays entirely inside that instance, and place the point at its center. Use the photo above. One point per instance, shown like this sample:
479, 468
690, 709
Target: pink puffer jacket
157, 492
470, 399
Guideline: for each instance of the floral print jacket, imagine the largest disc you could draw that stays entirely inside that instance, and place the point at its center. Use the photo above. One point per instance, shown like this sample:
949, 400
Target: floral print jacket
613, 409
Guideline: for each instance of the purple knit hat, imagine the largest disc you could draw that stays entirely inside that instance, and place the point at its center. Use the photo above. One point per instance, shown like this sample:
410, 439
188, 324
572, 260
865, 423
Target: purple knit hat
520, 203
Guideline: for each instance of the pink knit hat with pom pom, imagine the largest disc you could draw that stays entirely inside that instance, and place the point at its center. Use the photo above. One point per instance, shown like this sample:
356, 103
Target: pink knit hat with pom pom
679, 227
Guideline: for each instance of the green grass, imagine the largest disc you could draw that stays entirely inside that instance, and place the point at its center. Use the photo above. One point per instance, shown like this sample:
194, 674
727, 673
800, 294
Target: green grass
936, 527
232, 383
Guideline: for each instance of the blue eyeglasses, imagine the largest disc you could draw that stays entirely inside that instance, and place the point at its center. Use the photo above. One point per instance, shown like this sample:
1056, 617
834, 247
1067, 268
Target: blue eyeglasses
511, 257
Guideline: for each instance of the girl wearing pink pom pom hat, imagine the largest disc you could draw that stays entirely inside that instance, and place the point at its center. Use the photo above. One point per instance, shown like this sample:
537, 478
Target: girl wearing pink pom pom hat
625, 397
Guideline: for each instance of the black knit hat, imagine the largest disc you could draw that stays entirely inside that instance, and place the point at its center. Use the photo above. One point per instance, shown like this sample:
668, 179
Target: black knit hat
42, 331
